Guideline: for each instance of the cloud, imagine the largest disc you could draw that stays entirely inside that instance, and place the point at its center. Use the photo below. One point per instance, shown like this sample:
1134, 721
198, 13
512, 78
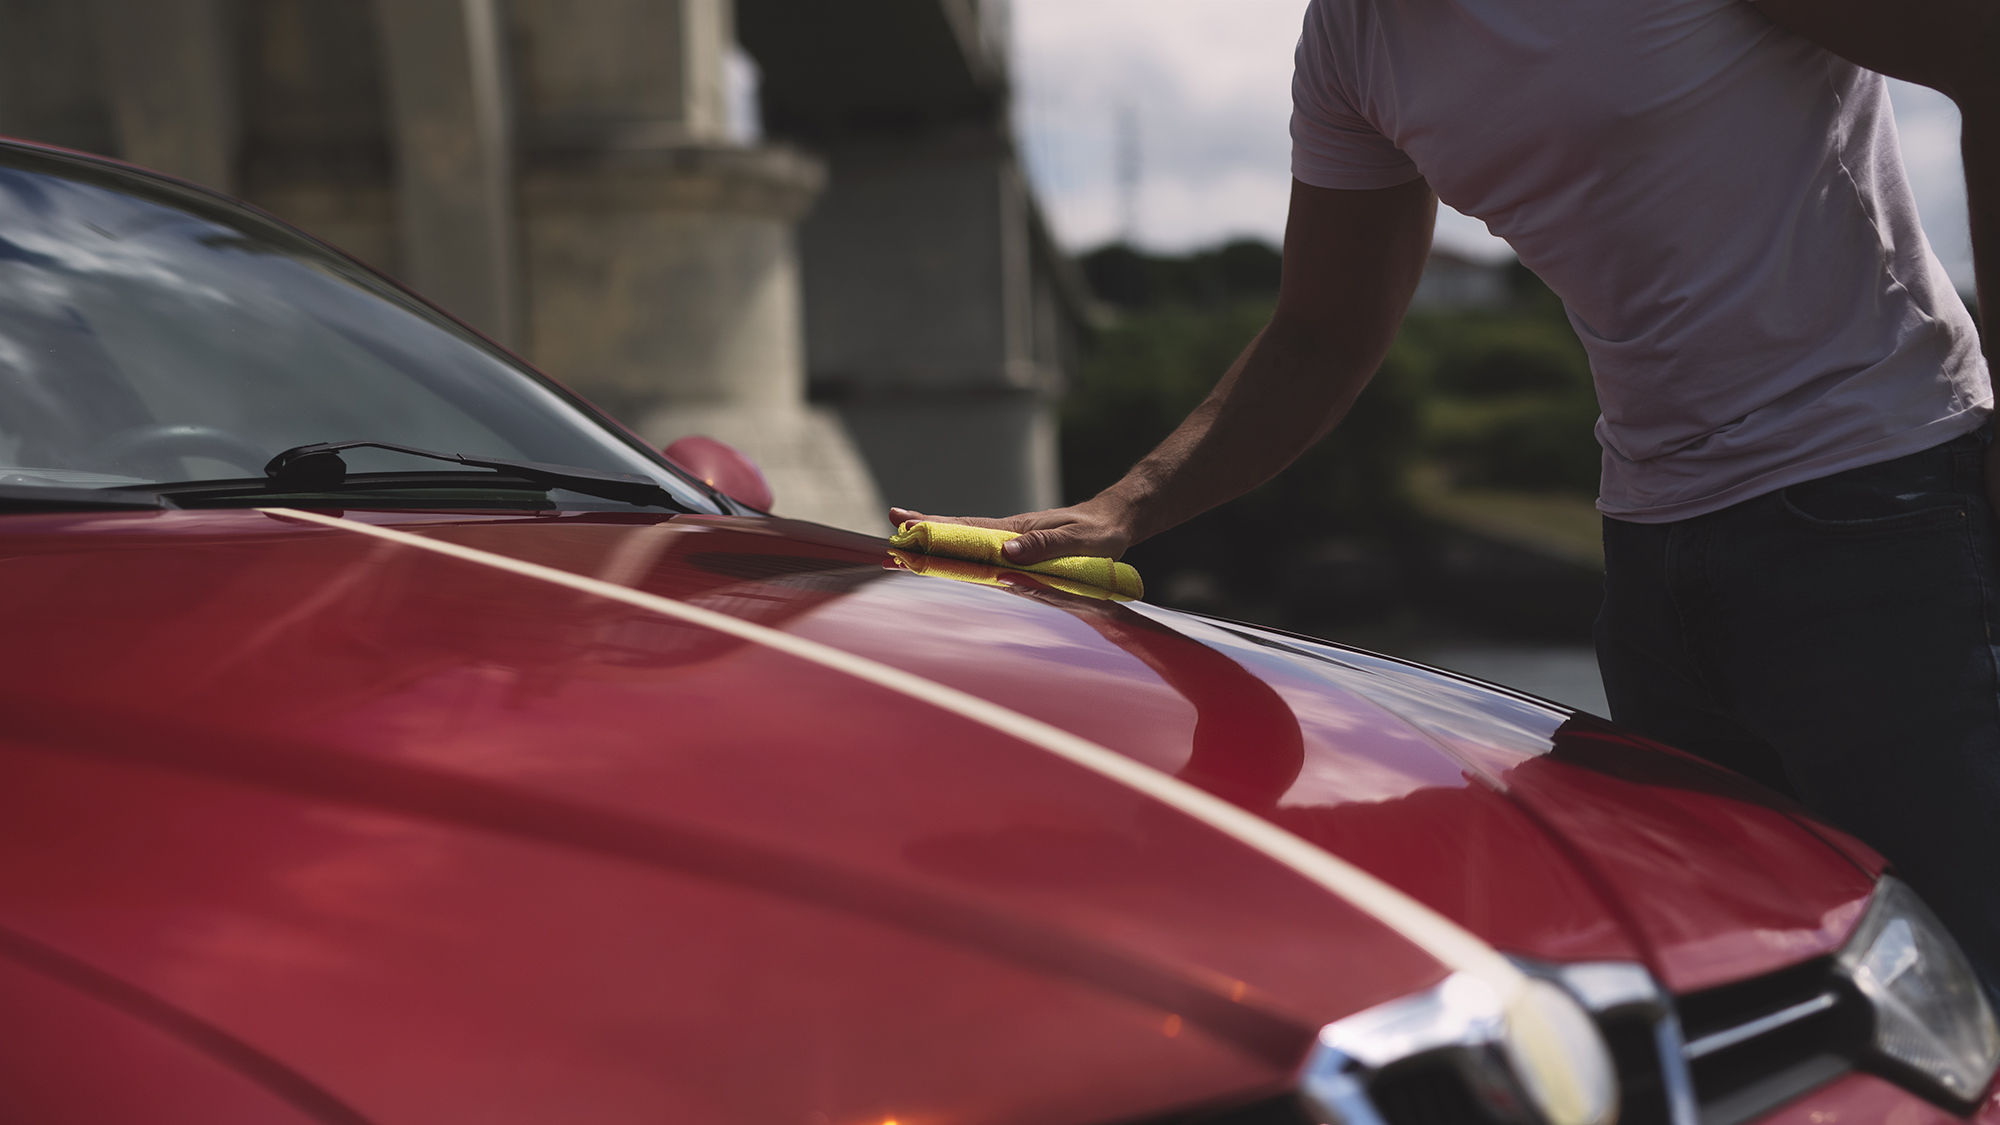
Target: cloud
1207, 86
1208, 83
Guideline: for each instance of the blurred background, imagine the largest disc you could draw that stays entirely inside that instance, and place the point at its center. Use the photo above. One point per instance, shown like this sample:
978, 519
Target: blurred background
965, 256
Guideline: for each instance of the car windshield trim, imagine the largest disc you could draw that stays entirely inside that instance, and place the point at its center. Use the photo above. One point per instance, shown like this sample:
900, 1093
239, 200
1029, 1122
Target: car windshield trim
228, 492
319, 465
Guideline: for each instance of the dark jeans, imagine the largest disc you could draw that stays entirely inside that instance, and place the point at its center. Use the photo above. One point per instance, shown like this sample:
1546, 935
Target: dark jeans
1834, 640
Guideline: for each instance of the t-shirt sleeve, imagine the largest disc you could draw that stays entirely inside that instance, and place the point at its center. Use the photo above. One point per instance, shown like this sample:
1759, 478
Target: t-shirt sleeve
1332, 145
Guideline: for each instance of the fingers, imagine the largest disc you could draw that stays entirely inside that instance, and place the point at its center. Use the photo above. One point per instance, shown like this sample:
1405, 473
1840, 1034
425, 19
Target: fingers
1042, 535
1030, 547
1060, 542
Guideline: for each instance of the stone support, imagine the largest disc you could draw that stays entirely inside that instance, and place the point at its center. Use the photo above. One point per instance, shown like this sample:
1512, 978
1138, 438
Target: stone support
168, 75
669, 277
560, 173
454, 159
940, 316
930, 325
662, 274
49, 89
624, 74
316, 136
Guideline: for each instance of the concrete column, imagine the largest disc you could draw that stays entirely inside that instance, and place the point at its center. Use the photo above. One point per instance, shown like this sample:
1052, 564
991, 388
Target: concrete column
168, 75
317, 146
48, 77
663, 281
669, 277
624, 74
453, 139
924, 325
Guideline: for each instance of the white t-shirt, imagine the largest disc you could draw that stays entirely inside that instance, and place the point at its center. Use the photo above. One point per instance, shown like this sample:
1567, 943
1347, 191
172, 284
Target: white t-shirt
1719, 202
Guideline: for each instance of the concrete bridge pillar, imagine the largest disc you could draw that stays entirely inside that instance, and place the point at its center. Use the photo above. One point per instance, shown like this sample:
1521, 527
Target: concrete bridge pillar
168, 78
450, 115
48, 76
560, 174
941, 317
662, 277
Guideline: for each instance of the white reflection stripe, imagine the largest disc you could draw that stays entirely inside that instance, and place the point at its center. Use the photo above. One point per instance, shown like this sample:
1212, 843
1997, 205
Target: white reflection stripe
1423, 927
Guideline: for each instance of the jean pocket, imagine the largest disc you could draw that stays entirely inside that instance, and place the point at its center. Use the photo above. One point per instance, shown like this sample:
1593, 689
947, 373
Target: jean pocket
1865, 504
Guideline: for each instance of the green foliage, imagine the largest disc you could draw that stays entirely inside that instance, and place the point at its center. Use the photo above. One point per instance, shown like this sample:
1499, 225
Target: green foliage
1501, 396
1144, 374
1233, 272
1501, 357
1523, 441
1510, 402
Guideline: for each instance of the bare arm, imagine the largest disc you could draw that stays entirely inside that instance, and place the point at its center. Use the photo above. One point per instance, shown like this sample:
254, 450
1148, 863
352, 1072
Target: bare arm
1352, 260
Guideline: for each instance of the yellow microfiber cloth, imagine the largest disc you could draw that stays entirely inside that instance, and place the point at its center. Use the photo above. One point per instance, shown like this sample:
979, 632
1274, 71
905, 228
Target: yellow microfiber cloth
982, 545
1005, 577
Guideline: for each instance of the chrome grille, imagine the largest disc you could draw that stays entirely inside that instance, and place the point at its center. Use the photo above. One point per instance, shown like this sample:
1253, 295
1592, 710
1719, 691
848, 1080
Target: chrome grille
1719, 1057
1428, 1091
1634, 1040
1722, 1056
1752, 1046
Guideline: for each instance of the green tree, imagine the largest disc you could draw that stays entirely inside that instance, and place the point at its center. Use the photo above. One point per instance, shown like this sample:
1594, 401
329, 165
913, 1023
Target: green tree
1502, 397
1146, 372
1510, 402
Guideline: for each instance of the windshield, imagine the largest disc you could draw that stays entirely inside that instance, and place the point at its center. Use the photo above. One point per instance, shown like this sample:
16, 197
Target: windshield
151, 334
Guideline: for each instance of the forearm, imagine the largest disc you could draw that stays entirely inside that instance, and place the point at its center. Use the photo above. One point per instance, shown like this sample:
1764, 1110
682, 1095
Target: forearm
1286, 390
1352, 260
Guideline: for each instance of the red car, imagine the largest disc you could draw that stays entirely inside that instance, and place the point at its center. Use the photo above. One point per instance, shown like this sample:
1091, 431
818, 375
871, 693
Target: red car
386, 736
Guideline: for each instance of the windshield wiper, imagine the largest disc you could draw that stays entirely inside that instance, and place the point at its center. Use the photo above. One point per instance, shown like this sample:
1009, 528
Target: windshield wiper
319, 467
55, 498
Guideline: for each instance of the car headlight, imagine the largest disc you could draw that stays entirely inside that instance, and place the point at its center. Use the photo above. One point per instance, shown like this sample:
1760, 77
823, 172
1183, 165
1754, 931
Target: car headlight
1932, 1020
1533, 1058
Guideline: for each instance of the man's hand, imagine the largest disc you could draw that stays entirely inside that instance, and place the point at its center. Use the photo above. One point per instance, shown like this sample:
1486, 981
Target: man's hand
1091, 528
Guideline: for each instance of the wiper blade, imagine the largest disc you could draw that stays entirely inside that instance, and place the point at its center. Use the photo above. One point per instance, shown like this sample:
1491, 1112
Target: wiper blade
320, 467
55, 498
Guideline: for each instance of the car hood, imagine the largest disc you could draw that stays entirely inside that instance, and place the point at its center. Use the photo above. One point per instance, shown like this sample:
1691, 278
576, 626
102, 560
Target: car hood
420, 833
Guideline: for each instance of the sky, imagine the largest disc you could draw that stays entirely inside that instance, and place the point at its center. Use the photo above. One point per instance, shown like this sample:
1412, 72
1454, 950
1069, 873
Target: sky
1199, 91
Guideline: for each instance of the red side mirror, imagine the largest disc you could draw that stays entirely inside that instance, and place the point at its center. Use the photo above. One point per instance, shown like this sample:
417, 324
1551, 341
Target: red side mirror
724, 467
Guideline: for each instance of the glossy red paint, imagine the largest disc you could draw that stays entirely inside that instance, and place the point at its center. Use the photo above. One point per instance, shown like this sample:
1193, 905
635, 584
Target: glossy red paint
422, 831
353, 822
1609, 848
165, 1068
